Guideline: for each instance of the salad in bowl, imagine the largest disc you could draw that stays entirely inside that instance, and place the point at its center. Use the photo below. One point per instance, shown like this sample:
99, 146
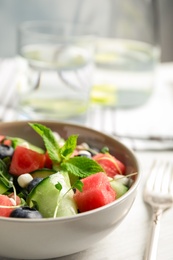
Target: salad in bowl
61, 180
65, 185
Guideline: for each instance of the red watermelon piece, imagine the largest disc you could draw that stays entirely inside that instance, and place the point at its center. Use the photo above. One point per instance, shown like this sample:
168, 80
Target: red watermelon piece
96, 192
110, 164
25, 160
8, 201
5, 201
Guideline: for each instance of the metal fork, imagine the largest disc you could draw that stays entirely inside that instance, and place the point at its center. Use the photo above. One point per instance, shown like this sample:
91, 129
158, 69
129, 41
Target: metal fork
158, 193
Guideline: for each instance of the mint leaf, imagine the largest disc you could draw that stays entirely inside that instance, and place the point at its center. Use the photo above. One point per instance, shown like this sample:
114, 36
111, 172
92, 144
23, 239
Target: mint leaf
68, 148
81, 166
61, 156
50, 141
58, 186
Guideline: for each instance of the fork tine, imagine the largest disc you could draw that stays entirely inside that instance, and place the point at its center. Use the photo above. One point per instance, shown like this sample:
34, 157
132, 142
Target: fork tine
166, 179
159, 176
154, 178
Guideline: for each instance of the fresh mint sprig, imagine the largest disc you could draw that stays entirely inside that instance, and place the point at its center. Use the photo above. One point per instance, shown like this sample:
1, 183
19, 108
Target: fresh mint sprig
50, 141
56, 153
81, 166
61, 156
68, 148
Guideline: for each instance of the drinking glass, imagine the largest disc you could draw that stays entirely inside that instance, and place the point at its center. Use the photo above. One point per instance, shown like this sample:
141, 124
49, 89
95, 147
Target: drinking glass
127, 56
57, 75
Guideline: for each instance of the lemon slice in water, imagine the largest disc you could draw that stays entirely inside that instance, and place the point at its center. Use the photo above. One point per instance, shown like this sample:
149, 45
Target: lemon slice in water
104, 94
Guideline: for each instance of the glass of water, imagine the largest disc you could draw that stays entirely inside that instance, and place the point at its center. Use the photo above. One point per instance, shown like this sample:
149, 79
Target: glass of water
127, 56
57, 70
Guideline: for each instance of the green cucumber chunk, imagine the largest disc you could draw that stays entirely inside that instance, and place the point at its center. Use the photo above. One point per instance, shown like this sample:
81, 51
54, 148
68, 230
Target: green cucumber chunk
21, 142
51, 201
42, 173
119, 188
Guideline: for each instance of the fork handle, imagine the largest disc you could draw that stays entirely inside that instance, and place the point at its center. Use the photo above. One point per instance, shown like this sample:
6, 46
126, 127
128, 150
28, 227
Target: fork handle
152, 243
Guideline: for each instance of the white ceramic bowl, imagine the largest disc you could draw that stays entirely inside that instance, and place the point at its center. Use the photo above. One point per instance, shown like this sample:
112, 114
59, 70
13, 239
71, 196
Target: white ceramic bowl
50, 238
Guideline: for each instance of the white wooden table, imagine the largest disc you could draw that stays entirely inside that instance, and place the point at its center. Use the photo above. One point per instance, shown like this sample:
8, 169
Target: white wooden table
129, 239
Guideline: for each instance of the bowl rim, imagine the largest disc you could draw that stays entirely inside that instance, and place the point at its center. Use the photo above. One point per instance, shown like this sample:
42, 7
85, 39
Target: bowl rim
87, 213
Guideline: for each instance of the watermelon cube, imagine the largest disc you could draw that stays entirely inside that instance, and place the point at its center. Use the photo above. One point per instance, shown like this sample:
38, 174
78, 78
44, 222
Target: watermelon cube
96, 192
5, 201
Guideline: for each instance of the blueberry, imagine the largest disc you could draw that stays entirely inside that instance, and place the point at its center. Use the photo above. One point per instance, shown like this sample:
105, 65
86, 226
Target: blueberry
25, 212
6, 151
33, 183
84, 153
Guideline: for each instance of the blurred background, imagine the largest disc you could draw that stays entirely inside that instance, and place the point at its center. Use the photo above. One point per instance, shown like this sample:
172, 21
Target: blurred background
101, 14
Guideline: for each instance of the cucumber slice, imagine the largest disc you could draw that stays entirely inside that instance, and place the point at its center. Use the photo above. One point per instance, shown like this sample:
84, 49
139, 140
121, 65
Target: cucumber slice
19, 141
49, 200
42, 173
119, 188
